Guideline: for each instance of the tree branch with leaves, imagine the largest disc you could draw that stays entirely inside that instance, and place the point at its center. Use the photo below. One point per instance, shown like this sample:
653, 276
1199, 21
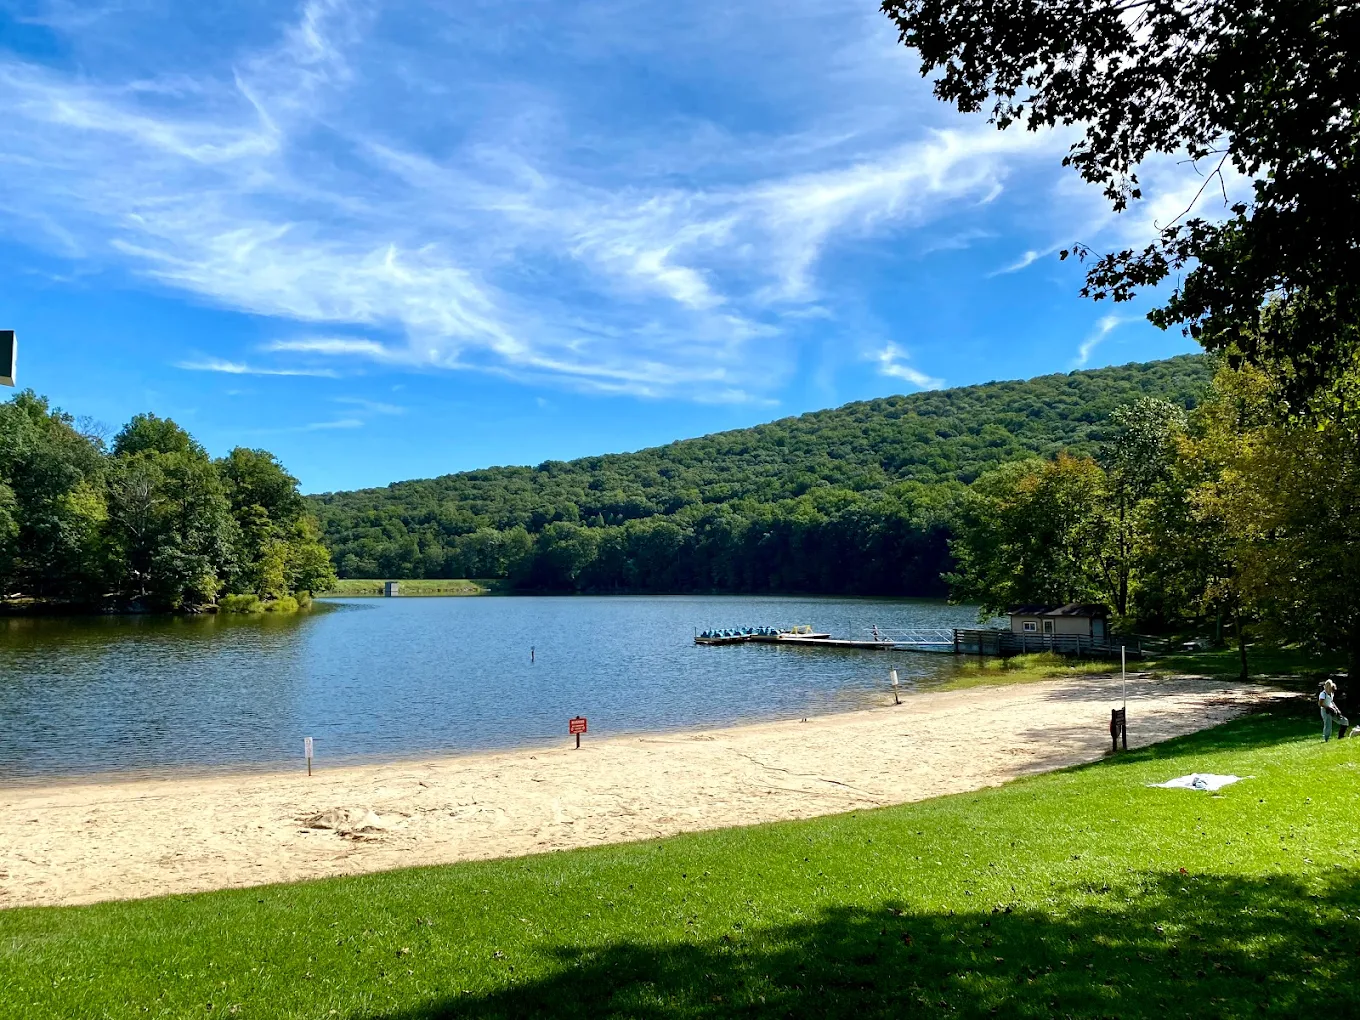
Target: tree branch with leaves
1268, 88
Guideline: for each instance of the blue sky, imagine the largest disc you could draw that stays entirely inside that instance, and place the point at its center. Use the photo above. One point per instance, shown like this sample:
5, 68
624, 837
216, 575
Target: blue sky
391, 240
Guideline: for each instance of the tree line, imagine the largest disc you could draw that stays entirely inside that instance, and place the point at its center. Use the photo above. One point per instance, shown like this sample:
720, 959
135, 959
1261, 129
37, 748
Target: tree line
854, 500
833, 541
1249, 509
148, 519
1241, 517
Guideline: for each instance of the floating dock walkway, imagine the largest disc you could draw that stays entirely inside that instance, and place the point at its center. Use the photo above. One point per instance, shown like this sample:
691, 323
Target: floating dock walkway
806, 637
956, 641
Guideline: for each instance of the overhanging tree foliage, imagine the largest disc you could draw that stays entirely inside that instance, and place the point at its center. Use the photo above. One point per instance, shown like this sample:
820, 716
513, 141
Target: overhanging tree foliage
1270, 88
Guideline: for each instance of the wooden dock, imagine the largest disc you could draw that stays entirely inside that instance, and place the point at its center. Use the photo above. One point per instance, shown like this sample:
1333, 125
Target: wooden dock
954, 641
942, 640
759, 639
827, 641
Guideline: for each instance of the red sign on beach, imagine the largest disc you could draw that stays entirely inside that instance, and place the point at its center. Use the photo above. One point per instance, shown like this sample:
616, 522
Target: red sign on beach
577, 725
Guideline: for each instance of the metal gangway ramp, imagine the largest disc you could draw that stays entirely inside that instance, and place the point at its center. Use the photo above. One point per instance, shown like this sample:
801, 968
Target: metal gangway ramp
920, 639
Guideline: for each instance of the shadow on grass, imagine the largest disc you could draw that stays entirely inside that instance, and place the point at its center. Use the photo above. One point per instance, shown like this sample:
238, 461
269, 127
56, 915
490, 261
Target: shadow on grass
1278, 721
1281, 721
1292, 668
1149, 686
1163, 944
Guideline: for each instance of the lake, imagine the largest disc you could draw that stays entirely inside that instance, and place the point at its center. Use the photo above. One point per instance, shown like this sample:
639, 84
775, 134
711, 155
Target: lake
383, 679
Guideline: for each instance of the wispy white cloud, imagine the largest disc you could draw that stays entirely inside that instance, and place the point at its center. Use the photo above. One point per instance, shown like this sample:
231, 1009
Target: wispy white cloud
335, 345
1104, 327
63, 15
324, 425
959, 240
1077, 213
372, 406
892, 362
412, 176
338, 423
1023, 262
497, 257
906, 187
241, 368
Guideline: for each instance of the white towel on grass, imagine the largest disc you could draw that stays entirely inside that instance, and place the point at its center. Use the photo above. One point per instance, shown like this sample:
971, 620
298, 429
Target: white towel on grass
1198, 781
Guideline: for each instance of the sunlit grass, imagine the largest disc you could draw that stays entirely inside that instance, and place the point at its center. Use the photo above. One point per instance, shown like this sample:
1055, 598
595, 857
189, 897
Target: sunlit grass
1081, 893
1019, 669
1290, 667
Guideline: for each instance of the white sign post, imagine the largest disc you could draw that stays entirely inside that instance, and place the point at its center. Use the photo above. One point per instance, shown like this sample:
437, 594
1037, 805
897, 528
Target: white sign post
307, 749
892, 675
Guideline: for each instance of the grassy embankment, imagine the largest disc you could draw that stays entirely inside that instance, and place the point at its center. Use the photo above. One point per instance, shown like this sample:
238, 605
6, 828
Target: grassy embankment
250, 604
1081, 892
247, 605
351, 587
1288, 667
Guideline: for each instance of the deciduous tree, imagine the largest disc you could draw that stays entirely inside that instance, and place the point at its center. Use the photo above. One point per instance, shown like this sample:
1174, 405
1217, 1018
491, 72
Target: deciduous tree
1268, 88
1140, 459
1034, 532
1288, 501
51, 503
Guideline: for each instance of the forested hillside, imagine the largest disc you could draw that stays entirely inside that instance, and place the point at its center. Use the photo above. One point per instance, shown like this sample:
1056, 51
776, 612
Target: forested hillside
851, 500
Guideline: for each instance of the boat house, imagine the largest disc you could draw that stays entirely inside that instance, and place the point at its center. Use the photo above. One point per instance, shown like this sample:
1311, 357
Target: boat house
1074, 629
1089, 621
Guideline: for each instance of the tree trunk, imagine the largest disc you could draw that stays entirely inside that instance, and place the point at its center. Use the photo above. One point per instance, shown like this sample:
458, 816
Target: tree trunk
1353, 666
1122, 592
1241, 640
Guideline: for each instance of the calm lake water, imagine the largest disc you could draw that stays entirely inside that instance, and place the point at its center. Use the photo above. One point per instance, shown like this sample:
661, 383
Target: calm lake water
380, 679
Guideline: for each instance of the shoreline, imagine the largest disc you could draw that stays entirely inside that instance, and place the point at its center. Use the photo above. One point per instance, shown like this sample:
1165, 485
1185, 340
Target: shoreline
286, 767
83, 842
100, 611
941, 600
283, 768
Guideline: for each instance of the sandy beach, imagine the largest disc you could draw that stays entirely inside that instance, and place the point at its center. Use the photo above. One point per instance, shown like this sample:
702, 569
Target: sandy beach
82, 843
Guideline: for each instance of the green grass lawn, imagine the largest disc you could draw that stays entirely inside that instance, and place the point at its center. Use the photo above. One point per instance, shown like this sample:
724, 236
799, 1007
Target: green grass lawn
1023, 669
1080, 893
1293, 668
462, 586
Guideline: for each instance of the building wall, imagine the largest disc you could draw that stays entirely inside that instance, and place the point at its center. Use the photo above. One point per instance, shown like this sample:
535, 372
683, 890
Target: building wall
1072, 625
1061, 625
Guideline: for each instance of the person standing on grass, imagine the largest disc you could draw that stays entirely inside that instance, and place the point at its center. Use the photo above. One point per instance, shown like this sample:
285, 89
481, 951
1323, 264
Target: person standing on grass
1327, 706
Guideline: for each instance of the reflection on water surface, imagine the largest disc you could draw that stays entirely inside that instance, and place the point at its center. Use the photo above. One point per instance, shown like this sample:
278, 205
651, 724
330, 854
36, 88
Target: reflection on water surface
394, 678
